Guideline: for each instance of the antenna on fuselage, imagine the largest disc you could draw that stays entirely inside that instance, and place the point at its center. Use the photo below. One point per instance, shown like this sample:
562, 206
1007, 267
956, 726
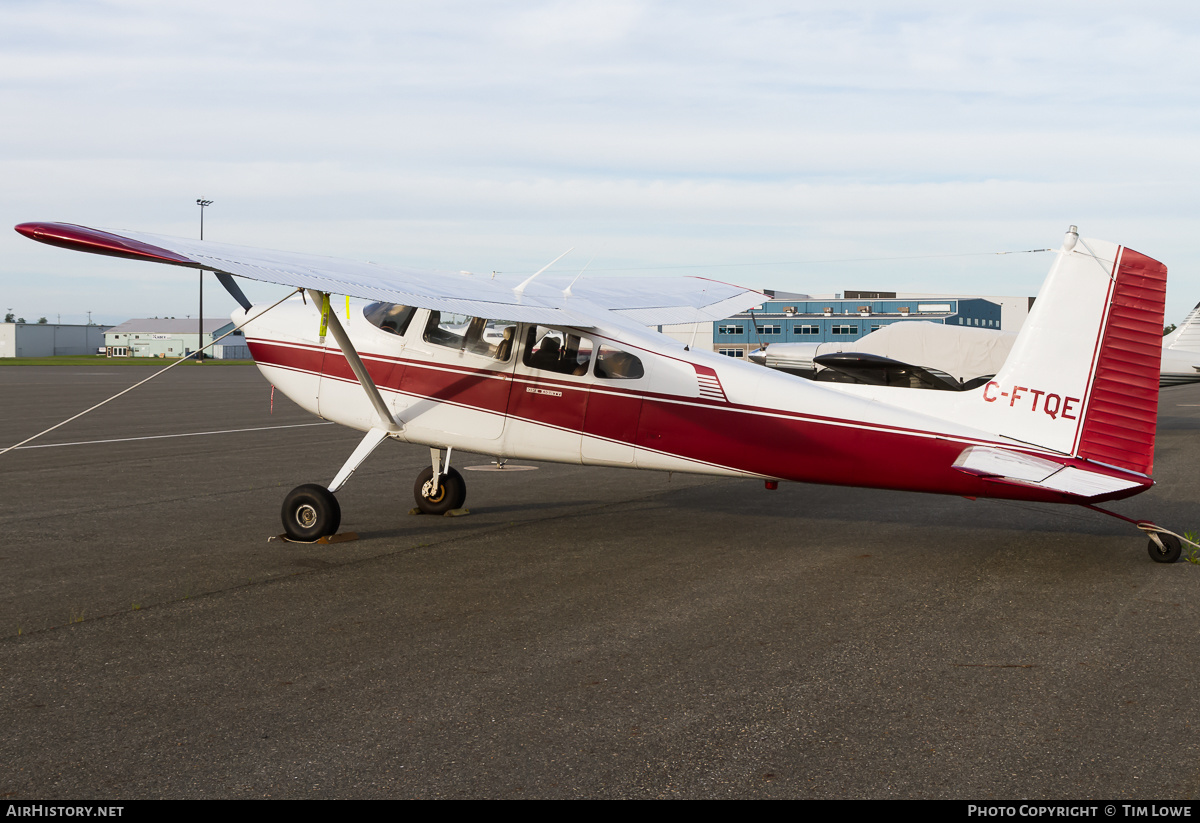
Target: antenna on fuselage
695, 326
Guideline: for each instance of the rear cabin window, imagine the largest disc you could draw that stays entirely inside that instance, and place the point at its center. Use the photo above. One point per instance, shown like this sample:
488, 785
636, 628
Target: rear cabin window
614, 364
391, 317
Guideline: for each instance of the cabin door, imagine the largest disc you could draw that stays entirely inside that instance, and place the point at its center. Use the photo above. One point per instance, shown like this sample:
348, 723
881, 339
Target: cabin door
457, 378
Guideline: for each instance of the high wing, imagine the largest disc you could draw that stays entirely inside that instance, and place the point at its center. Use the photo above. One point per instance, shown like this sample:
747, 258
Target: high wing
549, 300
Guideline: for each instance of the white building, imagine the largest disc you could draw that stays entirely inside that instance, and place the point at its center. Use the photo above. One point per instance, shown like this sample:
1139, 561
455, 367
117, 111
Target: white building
170, 337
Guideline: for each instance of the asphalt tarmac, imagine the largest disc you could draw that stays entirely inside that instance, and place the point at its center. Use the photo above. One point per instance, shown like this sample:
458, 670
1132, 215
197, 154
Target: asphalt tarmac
583, 633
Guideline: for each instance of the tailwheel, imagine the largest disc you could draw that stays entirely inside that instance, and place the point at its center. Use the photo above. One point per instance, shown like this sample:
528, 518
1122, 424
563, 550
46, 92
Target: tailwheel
451, 491
1168, 552
1164, 546
311, 512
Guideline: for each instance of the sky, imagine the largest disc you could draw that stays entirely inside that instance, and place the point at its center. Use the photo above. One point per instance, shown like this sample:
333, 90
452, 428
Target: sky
799, 146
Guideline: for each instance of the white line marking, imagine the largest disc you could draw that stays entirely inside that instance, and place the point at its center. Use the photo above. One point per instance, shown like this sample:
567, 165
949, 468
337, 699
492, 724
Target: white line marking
164, 436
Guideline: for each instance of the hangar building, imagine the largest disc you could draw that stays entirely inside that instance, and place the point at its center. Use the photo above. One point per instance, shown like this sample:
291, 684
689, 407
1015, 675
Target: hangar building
170, 337
49, 339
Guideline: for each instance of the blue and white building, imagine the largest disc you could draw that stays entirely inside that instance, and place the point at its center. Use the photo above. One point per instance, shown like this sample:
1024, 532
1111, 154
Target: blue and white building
801, 318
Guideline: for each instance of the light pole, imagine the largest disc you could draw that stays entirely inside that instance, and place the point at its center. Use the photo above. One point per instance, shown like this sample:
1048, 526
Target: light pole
202, 203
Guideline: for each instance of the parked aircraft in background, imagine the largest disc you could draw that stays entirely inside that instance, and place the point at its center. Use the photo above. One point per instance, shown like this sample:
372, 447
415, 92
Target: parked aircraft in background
1181, 352
913, 354
924, 355
577, 377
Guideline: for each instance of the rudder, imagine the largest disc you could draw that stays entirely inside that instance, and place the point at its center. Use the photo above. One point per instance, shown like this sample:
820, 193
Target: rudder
1122, 410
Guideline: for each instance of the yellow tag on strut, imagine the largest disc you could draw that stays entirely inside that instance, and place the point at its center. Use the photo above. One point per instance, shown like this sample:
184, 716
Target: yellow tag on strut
324, 313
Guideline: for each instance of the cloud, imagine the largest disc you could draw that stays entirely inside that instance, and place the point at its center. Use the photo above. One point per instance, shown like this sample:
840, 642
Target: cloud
478, 135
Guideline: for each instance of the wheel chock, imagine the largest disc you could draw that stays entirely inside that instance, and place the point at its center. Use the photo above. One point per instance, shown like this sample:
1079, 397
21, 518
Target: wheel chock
344, 537
451, 513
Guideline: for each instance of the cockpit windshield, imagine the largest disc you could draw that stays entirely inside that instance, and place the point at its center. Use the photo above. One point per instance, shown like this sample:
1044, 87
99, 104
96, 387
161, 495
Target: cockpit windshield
391, 317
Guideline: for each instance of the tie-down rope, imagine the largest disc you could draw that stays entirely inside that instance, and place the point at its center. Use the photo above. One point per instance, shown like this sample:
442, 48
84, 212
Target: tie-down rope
151, 377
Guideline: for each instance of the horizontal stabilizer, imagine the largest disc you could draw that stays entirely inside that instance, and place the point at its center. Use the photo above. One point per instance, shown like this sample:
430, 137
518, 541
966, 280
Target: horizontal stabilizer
1004, 466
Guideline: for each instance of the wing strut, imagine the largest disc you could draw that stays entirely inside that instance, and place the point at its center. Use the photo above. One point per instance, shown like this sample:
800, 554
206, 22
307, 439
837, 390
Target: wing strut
374, 438
390, 423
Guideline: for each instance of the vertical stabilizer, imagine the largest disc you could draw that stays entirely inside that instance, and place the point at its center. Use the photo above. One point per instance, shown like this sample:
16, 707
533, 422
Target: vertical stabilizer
1082, 377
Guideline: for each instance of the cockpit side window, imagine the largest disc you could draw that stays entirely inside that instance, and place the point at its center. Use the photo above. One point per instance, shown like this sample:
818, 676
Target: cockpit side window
391, 317
614, 364
476, 335
508, 339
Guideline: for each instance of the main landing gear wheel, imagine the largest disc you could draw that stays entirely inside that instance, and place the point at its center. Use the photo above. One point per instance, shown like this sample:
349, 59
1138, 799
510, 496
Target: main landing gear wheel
450, 493
311, 512
1168, 552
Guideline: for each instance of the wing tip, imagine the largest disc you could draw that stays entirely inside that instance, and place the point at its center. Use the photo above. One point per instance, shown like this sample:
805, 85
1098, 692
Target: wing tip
95, 241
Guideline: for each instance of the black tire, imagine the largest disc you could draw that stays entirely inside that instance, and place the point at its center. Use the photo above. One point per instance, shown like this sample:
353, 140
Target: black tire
1169, 552
311, 512
451, 492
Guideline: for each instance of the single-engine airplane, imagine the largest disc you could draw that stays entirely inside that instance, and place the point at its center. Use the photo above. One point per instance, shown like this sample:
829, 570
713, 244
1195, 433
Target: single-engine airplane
570, 372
